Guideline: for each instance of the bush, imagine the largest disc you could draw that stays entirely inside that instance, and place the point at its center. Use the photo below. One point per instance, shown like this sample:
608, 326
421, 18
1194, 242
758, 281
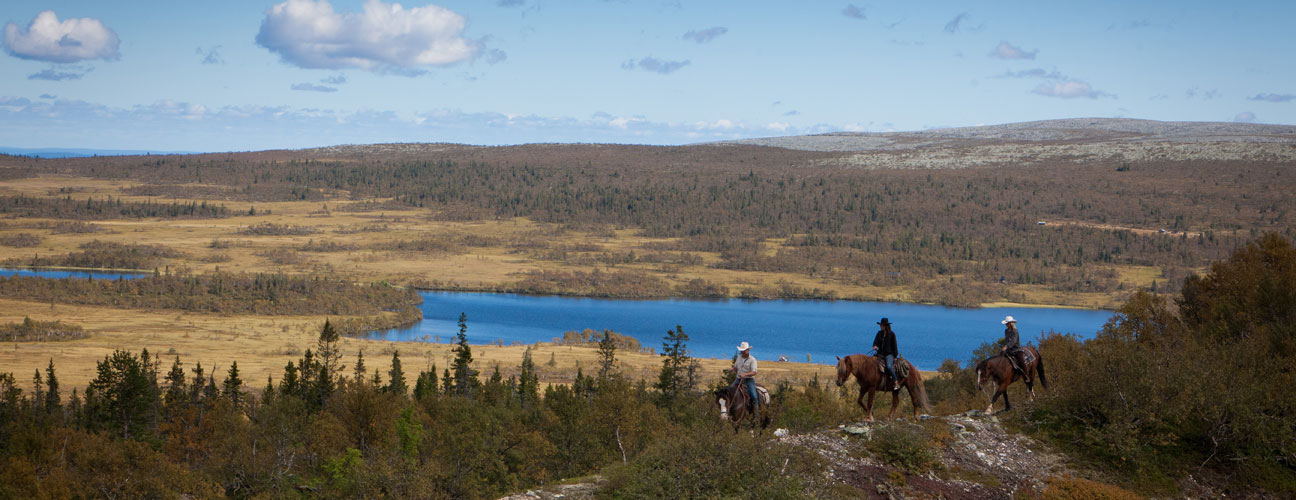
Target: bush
272, 229
814, 408
712, 462
903, 446
20, 240
1158, 394
1074, 488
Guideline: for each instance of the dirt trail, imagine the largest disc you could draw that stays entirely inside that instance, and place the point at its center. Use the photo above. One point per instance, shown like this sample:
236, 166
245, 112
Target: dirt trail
1136, 230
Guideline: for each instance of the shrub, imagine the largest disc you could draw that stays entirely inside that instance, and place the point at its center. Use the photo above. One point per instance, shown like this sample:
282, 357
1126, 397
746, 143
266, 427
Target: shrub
272, 229
712, 462
1157, 394
1074, 488
903, 446
40, 331
20, 240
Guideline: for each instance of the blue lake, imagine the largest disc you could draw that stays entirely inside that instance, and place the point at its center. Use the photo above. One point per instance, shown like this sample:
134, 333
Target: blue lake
59, 273
794, 328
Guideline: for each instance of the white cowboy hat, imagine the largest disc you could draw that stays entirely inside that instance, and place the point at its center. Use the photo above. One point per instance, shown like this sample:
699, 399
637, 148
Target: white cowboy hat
743, 346
1008, 319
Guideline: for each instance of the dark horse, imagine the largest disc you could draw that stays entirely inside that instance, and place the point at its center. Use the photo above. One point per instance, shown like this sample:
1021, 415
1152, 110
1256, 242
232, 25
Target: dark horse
734, 406
1000, 370
870, 377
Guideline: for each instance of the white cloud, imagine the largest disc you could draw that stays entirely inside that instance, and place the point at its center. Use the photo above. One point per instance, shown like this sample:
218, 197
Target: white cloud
854, 12
706, 35
311, 87
384, 37
53, 74
1245, 117
1034, 73
1273, 97
68, 41
173, 125
954, 24
655, 65
1206, 95
1069, 89
210, 55
1007, 50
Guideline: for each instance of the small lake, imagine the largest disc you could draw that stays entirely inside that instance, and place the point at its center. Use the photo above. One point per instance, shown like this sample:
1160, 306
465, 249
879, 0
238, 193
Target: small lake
69, 273
821, 329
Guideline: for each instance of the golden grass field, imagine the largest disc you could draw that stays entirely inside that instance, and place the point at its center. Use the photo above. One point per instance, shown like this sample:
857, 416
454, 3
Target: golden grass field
262, 345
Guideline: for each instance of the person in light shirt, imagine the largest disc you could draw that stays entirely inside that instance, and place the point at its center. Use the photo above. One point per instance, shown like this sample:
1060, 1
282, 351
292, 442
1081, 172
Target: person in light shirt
745, 370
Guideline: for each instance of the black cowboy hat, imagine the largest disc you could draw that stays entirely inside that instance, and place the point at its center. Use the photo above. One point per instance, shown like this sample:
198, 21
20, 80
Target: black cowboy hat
884, 322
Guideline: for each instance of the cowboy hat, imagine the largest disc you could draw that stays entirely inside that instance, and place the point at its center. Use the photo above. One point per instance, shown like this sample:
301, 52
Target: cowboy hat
884, 322
1008, 319
743, 346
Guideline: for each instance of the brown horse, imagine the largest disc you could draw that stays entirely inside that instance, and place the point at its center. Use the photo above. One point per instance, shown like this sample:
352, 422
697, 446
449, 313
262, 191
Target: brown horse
871, 379
733, 401
999, 369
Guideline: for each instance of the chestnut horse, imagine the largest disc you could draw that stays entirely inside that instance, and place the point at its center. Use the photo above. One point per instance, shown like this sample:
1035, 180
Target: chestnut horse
999, 369
871, 379
733, 401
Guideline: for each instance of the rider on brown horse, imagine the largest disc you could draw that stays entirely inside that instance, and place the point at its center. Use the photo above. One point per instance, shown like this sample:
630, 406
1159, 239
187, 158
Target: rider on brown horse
745, 371
885, 345
1012, 348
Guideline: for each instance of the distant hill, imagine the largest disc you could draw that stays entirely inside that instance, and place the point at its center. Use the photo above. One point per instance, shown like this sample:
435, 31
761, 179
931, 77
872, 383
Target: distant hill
81, 152
1071, 130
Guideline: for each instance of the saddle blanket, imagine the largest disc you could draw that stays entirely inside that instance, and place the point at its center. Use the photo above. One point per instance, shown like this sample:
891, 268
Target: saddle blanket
901, 368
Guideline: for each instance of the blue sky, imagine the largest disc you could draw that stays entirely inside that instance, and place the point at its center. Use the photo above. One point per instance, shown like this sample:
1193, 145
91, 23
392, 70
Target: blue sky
250, 75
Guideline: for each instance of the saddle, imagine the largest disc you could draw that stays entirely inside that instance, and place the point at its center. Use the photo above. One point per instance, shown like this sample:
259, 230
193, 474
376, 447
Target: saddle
1026, 356
761, 391
901, 368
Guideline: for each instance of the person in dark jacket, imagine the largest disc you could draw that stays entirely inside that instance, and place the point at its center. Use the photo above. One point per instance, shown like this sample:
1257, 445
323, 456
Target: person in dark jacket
1012, 347
885, 345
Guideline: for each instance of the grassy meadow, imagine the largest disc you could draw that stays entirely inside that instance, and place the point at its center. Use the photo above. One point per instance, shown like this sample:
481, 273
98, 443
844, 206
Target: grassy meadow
368, 246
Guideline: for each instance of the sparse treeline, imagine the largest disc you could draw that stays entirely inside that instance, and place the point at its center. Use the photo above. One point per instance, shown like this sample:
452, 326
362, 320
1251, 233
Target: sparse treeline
231, 293
30, 330
330, 427
967, 227
106, 208
104, 255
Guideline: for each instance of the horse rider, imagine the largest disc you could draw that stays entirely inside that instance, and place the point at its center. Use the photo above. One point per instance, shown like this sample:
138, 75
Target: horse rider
885, 345
1012, 348
745, 369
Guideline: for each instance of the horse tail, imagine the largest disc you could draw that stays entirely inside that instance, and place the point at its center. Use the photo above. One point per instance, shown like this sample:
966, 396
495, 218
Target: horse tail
922, 392
1039, 366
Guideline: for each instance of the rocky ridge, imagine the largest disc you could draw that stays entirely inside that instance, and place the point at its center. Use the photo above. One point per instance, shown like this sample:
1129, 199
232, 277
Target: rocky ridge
976, 459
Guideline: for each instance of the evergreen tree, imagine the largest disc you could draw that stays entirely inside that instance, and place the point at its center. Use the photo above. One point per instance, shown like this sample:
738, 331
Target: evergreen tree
176, 392
329, 364
396, 376
426, 384
38, 393
268, 395
234, 385
360, 371
210, 392
676, 375
196, 390
290, 384
528, 381
125, 402
607, 354
52, 399
465, 378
